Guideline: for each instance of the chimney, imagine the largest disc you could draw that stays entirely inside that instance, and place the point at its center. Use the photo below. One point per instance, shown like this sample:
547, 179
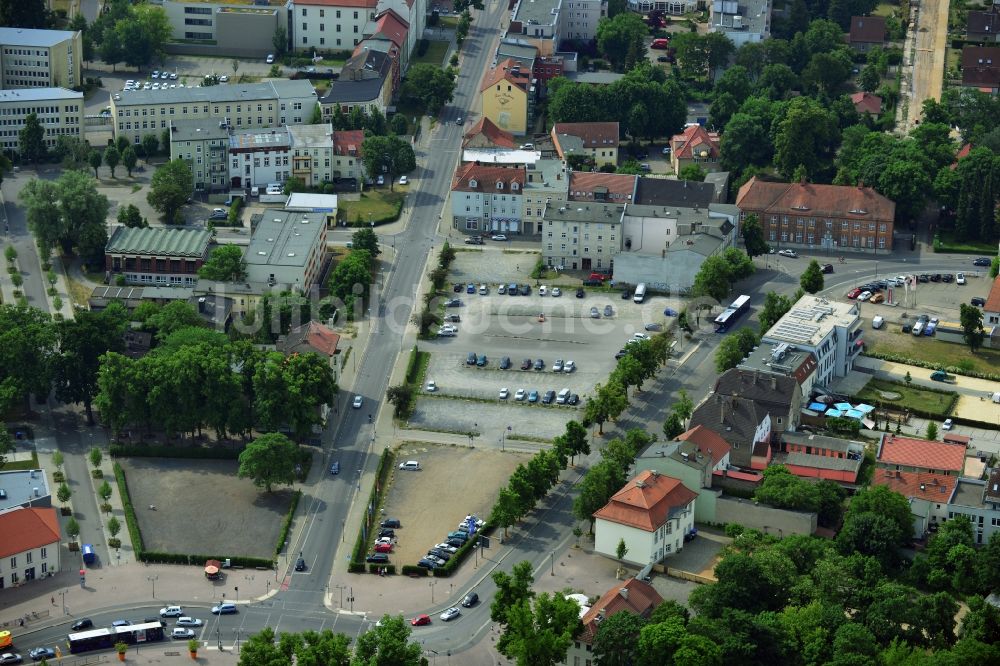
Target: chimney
624, 593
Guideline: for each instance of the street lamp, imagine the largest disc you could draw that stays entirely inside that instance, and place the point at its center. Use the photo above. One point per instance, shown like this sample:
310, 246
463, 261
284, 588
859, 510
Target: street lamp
152, 580
431, 585
503, 437
552, 563
237, 589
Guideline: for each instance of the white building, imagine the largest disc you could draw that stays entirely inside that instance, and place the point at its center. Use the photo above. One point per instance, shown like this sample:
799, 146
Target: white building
60, 111
831, 330
487, 198
546, 180
40, 58
287, 250
675, 7
329, 25
742, 21
578, 18
581, 235
30, 545
259, 157
652, 513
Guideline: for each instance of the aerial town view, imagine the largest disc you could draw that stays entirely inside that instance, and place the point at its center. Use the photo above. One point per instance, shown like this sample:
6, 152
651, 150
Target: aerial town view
500, 332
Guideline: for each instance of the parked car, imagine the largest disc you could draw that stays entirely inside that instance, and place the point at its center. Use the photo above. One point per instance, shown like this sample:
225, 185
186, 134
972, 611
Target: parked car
403, 180
788, 253
383, 547
569, 366
505, 363
978, 301
420, 620
378, 558
526, 364
446, 547
580, 293
960, 278
440, 554
548, 397
936, 277
504, 393
426, 563
483, 290
877, 297
450, 613
626, 295
558, 365
520, 394
595, 313
543, 290
608, 311
864, 296
854, 293
10, 658
539, 364
498, 237
826, 268
82, 623
387, 532
391, 522
923, 277
502, 289
573, 399
482, 361
471, 358
431, 386
121, 623
556, 292
533, 396
948, 278
470, 600
300, 564
181, 633
526, 290
470, 288
947, 425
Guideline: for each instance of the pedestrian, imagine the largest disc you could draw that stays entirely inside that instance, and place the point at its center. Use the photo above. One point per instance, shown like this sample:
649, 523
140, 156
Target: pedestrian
53, 601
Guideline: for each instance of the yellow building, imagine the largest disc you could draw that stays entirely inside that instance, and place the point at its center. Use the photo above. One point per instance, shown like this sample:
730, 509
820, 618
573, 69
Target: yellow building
507, 97
596, 141
32, 58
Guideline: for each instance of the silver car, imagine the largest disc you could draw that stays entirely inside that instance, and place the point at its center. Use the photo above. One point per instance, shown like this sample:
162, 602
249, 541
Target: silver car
451, 613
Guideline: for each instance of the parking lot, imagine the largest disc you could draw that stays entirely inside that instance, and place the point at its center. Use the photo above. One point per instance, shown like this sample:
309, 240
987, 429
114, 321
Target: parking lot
452, 483
935, 299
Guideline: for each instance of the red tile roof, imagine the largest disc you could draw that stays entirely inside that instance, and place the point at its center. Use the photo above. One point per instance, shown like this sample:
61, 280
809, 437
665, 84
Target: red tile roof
867, 30
708, 441
393, 26
632, 596
837, 201
593, 135
510, 70
593, 185
487, 177
26, 529
936, 488
921, 453
494, 134
348, 142
313, 336
993, 300
865, 102
693, 141
646, 502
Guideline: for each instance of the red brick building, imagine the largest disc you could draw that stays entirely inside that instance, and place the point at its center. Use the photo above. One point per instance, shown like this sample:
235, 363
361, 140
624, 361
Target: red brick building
157, 256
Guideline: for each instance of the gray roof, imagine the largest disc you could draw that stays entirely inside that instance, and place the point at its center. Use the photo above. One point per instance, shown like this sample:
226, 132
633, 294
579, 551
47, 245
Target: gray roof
578, 211
20, 487
159, 242
670, 192
820, 462
702, 244
220, 94
259, 139
34, 37
537, 12
360, 79
821, 441
733, 419
518, 51
594, 78
767, 388
742, 16
281, 245
969, 493
196, 130
38, 94
311, 136
720, 181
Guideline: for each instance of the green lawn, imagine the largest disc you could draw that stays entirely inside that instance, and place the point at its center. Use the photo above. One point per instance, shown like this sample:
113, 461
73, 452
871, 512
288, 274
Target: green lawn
945, 242
436, 50
886, 9
448, 22
912, 397
22, 465
931, 350
376, 204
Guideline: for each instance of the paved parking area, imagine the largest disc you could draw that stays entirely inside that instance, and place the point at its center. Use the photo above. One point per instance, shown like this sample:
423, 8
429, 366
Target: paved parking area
935, 299
477, 264
455, 378
490, 421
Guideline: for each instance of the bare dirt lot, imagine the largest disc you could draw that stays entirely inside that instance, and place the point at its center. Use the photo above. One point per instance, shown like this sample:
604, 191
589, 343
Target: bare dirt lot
452, 483
201, 507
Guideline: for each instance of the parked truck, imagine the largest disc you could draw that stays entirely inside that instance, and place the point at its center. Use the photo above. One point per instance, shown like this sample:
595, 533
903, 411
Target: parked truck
942, 376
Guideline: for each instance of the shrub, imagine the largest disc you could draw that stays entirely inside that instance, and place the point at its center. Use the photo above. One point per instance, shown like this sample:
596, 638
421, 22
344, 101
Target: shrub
130, 522
106, 507
57, 303
286, 526
460, 556
17, 279
114, 542
414, 570
390, 569
97, 474
58, 477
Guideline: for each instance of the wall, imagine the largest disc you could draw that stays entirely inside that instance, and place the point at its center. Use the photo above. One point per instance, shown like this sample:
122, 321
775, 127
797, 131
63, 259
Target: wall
250, 32
672, 275
764, 518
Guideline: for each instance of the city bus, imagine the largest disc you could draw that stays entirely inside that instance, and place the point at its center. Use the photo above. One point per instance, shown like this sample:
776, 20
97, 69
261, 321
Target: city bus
729, 316
105, 639
139, 633
6, 641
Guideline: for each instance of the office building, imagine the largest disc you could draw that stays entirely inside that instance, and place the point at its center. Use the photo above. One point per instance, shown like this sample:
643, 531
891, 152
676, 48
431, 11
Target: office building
32, 58
287, 250
60, 111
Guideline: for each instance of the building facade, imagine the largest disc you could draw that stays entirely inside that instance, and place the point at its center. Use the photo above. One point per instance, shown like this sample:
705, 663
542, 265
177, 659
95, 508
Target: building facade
507, 97
578, 19
330, 25
156, 256
205, 147
30, 547
742, 21
487, 198
546, 180
240, 106
366, 81
633, 596
259, 157
581, 236
595, 141
831, 217
695, 145
287, 251
40, 58
60, 111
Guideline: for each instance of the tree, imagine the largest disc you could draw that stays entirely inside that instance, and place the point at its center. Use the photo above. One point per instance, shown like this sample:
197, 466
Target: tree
72, 528
280, 41
140, 36
507, 509
712, 279
114, 527
31, 140
388, 155
95, 159
621, 550
129, 159
429, 86
23, 14
261, 648
616, 642
129, 215
57, 460
734, 348
753, 236
170, 188
673, 426
807, 135
775, 307
225, 264
104, 491
512, 589
932, 431
811, 279
27, 347
692, 172
869, 79
82, 342
63, 493
539, 631
971, 319
388, 645
112, 157
617, 36
596, 488
268, 460
575, 440
150, 146
173, 317
366, 239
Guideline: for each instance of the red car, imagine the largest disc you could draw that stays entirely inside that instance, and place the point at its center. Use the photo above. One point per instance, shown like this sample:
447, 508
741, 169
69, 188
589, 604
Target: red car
599, 276
420, 620
383, 548
854, 293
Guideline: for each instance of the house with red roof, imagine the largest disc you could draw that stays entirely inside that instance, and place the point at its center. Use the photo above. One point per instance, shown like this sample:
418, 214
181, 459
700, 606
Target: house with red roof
866, 103
991, 311
602, 187
487, 198
508, 96
312, 337
29, 548
819, 457
596, 141
652, 514
866, 32
695, 145
928, 494
347, 162
486, 135
632, 596
910, 454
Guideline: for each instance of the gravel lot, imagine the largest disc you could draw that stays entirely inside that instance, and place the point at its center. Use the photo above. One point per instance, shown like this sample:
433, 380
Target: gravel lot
453, 483
478, 264
491, 420
182, 491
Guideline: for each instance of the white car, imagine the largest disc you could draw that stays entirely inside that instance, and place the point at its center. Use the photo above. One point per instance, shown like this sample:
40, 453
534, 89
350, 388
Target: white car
403, 180
451, 613
431, 386
446, 547
223, 79
173, 76
380, 180
171, 611
543, 290
640, 336
504, 393
960, 278
156, 86
864, 296
520, 395
155, 74
186, 621
498, 237
569, 366
182, 633
483, 290
447, 332
558, 365
449, 327
556, 291
947, 424
270, 59
357, 402
788, 253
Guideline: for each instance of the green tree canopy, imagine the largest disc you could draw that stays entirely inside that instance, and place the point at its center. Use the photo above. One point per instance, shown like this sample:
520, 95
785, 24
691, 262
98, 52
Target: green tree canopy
225, 264
388, 155
811, 279
170, 188
620, 36
268, 460
429, 86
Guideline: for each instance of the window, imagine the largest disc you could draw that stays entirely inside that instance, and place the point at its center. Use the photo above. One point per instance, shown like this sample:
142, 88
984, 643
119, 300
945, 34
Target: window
13, 562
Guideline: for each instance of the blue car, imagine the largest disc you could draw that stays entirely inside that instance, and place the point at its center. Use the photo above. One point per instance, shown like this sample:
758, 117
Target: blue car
470, 289
533, 396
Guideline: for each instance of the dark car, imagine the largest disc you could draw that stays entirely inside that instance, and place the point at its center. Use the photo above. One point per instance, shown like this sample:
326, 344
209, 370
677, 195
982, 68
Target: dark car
548, 397
947, 277
218, 216
455, 541
505, 363
982, 261
470, 600
391, 522
620, 354
526, 290
470, 288
826, 268
427, 564
978, 301
526, 364
42, 653
300, 564
471, 358
626, 295
482, 361
335, 467
539, 364
573, 399
936, 277
82, 623
580, 293
457, 287
437, 552
387, 532
378, 558
512, 289
453, 318
923, 277
454, 303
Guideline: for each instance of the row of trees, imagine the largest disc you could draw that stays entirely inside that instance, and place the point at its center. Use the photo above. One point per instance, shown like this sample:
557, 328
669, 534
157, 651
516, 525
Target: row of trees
607, 476
387, 642
641, 361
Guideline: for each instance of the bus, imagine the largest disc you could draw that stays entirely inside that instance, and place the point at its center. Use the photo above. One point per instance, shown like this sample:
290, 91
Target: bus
5, 640
729, 316
105, 639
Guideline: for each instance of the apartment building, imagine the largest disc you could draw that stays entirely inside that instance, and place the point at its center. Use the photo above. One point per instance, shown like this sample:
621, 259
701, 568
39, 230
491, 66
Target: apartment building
233, 28
366, 81
40, 58
546, 181
596, 141
60, 111
30, 547
829, 330
581, 236
742, 21
334, 25
240, 106
674, 7
832, 217
578, 19
487, 198
204, 145
508, 96
695, 145
259, 157
347, 155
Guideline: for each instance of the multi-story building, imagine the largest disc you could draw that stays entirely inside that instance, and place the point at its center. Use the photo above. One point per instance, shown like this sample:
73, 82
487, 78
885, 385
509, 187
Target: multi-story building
287, 251
487, 198
546, 180
780, 359
581, 236
832, 217
347, 155
242, 105
484, 135
780, 396
675, 7
24, 488
156, 256
979, 501
414, 13
30, 547
596, 141
742, 21
333, 25
695, 145
259, 157
744, 425
536, 23
601, 187
829, 330
578, 19
204, 145
508, 97
633, 596
388, 33
366, 81
60, 111
652, 513
40, 58
227, 27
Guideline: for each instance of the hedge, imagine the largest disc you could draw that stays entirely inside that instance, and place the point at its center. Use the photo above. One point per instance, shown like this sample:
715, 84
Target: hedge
414, 570
375, 568
456, 560
196, 559
413, 366
133, 525
360, 551
286, 525
118, 450
900, 358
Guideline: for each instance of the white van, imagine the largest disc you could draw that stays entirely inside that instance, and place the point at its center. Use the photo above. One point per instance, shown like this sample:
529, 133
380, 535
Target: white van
562, 397
918, 328
640, 293
410, 466
254, 191
877, 321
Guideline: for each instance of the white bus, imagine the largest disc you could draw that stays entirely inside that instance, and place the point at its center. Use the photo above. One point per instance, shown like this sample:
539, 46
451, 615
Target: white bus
640, 293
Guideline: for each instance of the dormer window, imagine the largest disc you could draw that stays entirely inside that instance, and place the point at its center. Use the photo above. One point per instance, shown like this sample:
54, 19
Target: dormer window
514, 186
473, 183
499, 185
